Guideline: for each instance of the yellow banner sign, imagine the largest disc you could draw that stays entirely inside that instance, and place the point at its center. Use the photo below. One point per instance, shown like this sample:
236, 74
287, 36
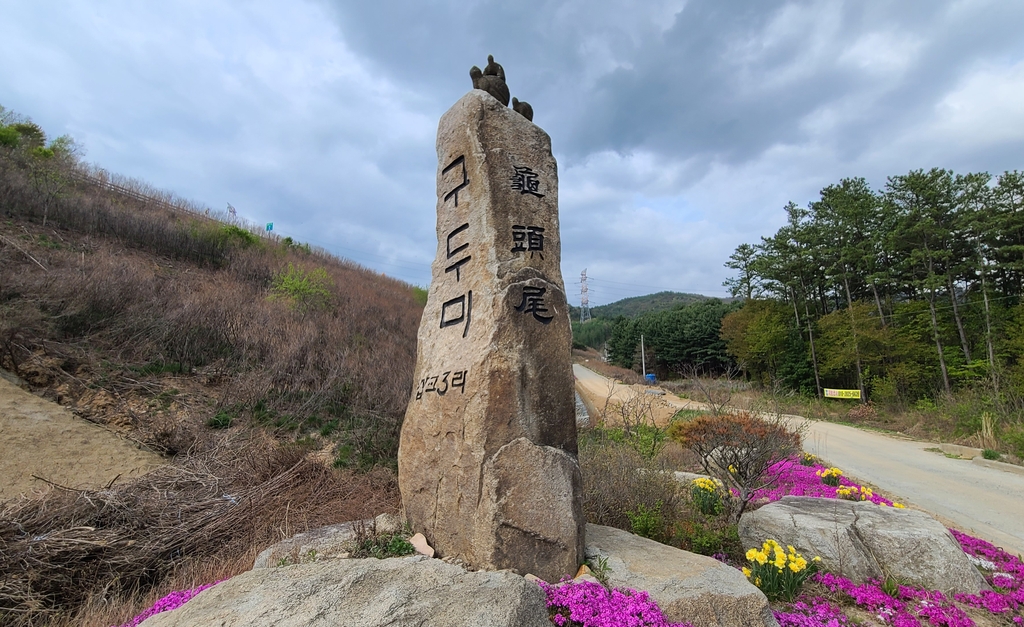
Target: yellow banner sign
829, 393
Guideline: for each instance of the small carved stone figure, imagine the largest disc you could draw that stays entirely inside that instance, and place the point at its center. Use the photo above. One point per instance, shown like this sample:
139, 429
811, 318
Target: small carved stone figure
494, 69
523, 108
491, 80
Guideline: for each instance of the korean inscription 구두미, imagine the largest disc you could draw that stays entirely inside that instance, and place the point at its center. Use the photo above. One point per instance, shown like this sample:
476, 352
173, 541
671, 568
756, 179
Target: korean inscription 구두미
460, 308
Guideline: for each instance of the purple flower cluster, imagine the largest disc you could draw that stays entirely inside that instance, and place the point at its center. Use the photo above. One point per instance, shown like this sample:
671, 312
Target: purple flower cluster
902, 609
794, 479
1005, 575
172, 601
907, 606
813, 612
588, 604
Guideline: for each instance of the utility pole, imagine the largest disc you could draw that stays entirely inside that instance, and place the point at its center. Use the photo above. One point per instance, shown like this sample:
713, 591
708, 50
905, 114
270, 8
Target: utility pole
643, 358
584, 297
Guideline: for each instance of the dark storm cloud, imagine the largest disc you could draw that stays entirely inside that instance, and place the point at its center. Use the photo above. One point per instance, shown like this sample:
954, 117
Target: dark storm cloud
681, 128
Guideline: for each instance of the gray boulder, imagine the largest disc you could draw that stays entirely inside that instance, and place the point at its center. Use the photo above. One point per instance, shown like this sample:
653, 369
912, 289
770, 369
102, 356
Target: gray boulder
862, 540
687, 587
333, 541
398, 592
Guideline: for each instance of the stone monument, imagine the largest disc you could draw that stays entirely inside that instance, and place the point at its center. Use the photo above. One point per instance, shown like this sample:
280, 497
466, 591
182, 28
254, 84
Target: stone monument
487, 459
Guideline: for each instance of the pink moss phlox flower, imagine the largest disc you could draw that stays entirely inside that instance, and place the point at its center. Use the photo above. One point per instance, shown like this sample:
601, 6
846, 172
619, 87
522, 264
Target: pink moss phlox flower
1006, 578
170, 602
902, 610
814, 612
793, 479
588, 604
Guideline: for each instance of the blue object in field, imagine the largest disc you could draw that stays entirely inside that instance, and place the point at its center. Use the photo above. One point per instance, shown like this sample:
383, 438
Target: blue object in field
651, 380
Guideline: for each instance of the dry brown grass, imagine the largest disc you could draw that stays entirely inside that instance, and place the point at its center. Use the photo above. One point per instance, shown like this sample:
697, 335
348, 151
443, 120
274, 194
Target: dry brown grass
113, 290
99, 552
140, 298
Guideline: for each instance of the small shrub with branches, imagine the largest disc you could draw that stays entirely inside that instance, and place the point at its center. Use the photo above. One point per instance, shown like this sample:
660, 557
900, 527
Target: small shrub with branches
739, 449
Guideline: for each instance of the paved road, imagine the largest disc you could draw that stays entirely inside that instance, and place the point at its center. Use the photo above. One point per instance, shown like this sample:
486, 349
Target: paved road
986, 502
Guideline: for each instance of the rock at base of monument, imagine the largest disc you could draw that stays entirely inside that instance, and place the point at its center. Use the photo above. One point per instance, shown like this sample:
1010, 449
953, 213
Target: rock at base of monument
398, 592
532, 511
862, 540
331, 542
687, 587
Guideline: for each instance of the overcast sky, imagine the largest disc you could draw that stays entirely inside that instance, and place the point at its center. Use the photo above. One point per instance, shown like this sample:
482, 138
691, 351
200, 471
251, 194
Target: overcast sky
681, 128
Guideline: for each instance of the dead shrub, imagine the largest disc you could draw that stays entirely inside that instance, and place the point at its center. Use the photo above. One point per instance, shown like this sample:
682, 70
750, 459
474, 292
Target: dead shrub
739, 449
618, 480
862, 412
67, 549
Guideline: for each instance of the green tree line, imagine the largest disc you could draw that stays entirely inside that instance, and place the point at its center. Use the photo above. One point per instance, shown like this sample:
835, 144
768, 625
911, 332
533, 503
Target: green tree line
674, 341
903, 293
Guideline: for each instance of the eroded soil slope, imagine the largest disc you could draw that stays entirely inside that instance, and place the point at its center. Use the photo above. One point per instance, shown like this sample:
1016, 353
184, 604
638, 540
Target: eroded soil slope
41, 438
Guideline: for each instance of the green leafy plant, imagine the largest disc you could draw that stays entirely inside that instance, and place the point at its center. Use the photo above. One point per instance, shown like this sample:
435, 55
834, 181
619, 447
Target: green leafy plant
220, 420
647, 522
599, 567
369, 543
707, 537
305, 290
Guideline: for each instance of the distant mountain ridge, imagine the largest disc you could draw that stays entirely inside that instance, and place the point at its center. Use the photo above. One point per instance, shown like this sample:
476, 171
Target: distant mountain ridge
636, 305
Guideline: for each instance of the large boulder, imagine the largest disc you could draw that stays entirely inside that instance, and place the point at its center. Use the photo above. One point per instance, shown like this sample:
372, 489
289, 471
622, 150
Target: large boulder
862, 541
487, 457
688, 587
398, 592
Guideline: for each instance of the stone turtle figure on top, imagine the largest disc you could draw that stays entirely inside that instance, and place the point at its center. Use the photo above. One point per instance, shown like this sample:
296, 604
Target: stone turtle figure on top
492, 80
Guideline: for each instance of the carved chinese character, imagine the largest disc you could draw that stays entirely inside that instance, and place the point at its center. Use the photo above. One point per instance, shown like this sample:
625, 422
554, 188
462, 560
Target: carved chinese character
528, 239
461, 160
457, 310
458, 249
525, 181
533, 303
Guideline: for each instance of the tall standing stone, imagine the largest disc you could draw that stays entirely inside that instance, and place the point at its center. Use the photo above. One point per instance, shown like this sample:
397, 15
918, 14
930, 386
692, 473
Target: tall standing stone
487, 460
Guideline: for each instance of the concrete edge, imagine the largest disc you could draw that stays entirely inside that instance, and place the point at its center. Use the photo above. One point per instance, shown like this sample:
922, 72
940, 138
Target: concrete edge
966, 452
988, 463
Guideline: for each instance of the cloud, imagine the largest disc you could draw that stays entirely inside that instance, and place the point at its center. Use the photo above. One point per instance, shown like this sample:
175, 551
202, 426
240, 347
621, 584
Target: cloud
682, 127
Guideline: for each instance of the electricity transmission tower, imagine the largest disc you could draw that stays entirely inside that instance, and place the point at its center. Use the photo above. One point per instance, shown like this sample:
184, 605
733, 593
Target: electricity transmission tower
584, 297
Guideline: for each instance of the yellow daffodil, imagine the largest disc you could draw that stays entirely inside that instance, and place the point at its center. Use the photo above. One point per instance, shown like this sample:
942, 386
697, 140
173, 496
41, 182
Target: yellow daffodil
746, 572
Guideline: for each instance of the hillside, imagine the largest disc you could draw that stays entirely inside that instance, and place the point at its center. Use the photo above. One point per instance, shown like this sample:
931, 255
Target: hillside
251, 364
636, 305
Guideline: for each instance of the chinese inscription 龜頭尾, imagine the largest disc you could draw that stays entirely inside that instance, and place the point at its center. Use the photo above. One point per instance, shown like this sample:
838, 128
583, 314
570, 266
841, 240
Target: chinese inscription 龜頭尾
533, 303
528, 239
441, 384
525, 181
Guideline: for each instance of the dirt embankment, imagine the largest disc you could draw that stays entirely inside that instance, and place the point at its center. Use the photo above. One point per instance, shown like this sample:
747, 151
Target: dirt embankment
39, 438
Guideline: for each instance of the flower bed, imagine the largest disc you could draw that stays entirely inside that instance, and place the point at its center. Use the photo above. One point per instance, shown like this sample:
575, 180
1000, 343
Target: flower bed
589, 604
888, 602
170, 602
